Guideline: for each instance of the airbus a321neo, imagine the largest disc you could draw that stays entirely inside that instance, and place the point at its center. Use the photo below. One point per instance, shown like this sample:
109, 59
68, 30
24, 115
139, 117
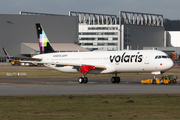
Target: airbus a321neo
102, 62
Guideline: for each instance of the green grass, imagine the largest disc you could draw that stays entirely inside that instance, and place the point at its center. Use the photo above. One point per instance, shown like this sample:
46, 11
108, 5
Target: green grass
90, 107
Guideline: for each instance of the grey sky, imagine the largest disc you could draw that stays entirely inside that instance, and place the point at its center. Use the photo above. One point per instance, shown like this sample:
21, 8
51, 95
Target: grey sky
170, 9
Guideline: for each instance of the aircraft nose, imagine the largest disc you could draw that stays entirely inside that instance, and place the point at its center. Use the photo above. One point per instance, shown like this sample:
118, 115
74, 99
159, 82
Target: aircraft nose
170, 64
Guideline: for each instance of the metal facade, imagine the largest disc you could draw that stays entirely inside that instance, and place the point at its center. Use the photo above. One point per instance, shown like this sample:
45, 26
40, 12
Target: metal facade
146, 19
140, 30
17, 29
135, 30
137, 37
94, 18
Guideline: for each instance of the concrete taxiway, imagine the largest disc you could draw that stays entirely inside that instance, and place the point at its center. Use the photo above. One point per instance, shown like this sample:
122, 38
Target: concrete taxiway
30, 86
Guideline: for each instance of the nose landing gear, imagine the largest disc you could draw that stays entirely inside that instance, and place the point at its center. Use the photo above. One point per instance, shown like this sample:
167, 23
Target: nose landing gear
154, 79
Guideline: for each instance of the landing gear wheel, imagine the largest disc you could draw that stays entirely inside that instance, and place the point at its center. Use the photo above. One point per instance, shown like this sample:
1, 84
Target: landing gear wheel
118, 79
81, 80
113, 79
85, 79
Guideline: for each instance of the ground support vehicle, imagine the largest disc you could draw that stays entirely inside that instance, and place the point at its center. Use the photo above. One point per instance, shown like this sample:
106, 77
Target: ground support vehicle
166, 79
15, 63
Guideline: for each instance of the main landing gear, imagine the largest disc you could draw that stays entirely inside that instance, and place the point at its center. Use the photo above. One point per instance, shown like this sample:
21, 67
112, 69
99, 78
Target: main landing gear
115, 79
84, 79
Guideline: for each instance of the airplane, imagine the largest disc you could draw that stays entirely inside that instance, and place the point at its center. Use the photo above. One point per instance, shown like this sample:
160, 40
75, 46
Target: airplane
102, 62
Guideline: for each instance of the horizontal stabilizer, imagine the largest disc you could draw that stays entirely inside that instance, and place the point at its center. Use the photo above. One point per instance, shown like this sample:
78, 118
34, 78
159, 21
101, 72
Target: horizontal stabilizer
19, 57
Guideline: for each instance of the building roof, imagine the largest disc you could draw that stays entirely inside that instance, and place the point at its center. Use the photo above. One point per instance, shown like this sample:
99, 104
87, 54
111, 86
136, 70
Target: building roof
66, 47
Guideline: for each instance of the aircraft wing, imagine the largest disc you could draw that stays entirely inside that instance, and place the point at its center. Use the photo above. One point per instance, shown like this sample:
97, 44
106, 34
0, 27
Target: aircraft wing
33, 62
80, 65
64, 64
25, 58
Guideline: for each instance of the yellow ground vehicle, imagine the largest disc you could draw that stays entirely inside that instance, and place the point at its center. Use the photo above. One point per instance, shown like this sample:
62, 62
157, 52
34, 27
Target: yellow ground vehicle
15, 63
166, 79
169, 79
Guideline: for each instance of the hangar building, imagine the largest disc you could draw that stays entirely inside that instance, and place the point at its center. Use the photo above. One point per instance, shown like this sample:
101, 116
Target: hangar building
130, 30
19, 37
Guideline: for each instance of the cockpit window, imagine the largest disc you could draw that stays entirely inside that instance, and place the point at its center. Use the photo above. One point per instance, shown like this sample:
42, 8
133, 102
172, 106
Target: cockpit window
164, 56
161, 56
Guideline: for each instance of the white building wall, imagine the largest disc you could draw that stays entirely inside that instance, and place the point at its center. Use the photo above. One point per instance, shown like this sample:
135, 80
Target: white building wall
175, 38
100, 37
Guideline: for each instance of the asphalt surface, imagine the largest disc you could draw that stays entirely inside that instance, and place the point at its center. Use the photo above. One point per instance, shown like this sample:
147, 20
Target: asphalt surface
30, 86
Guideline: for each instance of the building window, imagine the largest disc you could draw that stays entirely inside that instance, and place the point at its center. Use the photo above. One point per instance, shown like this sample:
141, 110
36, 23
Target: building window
102, 28
111, 33
87, 38
112, 43
115, 38
98, 33
101, 44
102, 38
86, 33
86, 44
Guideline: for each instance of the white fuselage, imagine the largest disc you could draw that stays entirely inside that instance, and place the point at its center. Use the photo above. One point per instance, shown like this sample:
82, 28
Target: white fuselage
114, 61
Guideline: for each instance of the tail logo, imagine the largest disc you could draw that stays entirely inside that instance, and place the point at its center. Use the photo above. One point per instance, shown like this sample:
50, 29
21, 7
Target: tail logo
43, 40
44, 43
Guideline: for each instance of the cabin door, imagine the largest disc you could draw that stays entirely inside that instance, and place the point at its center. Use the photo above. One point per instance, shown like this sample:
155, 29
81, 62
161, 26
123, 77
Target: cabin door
146, 58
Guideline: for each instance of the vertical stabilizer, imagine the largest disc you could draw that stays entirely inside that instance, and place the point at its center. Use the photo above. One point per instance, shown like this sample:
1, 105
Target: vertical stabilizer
44, 43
